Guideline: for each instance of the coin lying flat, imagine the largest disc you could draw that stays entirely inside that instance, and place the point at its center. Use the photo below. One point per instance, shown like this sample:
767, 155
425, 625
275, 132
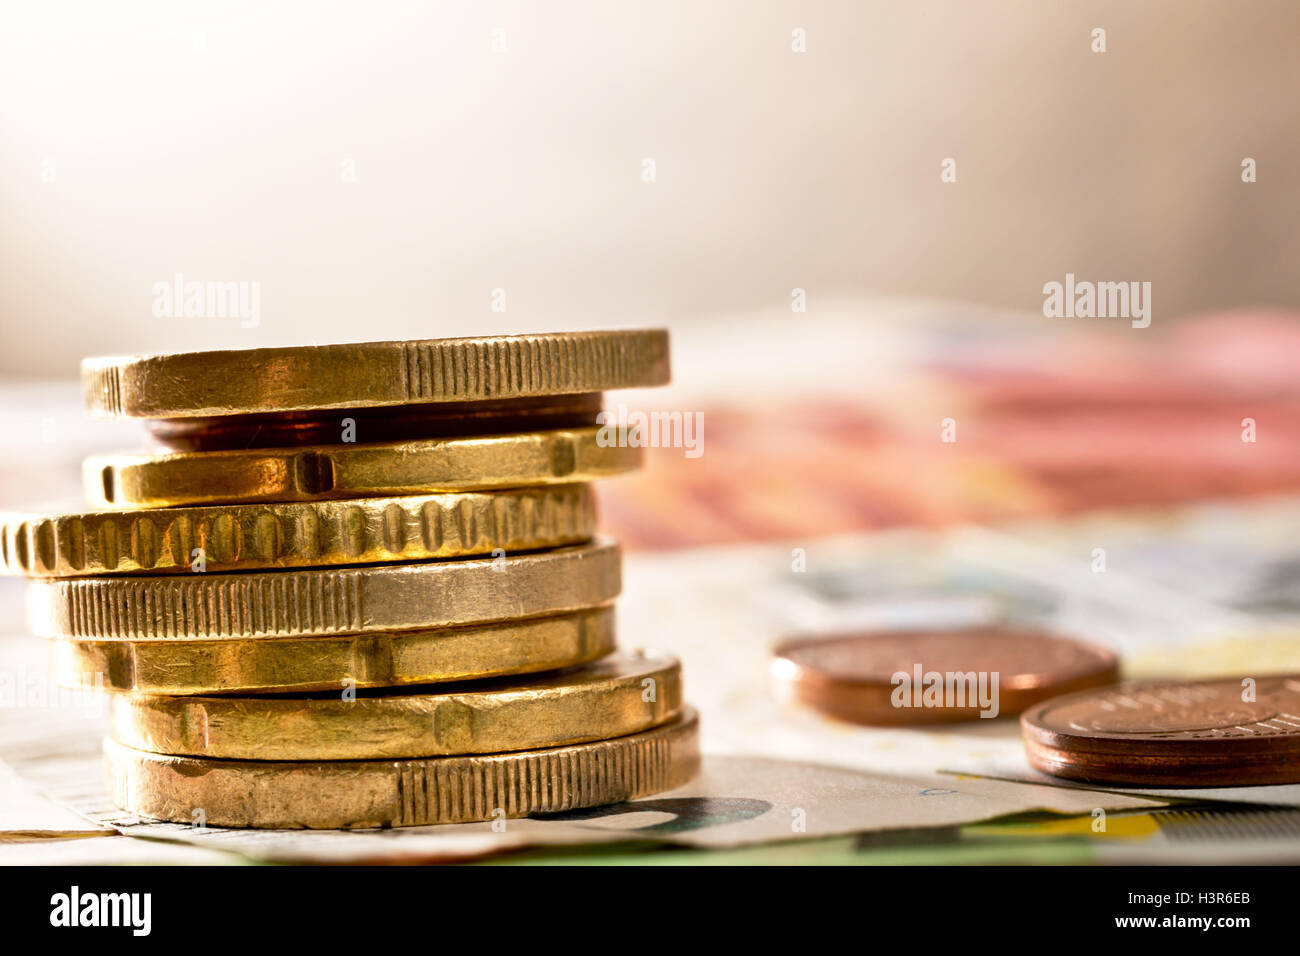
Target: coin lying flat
281, 665
360, 600
1171, 733
296, 534
619, 695
397, 793
370, 374
894, 678
354, 470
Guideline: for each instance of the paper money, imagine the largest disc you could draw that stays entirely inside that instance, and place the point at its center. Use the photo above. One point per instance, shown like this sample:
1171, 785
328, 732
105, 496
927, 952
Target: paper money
1220, 835
1016, 768
1047, 421
737, 800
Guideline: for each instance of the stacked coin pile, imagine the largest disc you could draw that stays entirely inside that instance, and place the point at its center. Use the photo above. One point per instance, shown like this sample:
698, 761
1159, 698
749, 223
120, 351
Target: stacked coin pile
1225, 732
360, 585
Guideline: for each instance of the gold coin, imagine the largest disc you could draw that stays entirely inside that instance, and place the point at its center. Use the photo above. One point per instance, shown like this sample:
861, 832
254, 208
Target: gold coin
361, 600
369, 374
622, 694
402, 793
296, 534
280, 665
354, 470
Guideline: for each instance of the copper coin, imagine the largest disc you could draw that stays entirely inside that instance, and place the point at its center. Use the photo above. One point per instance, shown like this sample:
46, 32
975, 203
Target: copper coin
927, 677
404, 423
1228, 732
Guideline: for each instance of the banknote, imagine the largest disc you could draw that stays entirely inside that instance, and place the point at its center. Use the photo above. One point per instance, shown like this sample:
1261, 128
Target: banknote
745, 794
1014, 767
26, 813
1165, 837
926, 416
735, 801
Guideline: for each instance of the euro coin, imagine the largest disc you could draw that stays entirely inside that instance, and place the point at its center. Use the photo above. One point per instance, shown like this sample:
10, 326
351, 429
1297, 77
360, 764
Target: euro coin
354, 470
398, 793
372, 374
927, 677
622, 694
296, 534
360, 600
1210, 733
396, 659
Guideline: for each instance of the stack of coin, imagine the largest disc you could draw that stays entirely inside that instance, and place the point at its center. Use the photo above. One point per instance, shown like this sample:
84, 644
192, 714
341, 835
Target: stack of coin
1225, 732
359, 585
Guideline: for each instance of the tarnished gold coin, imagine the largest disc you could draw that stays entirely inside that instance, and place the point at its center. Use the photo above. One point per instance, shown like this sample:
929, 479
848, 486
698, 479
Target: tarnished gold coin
281, 665
399, 793
370, 374
622, 694
360, 600
317, 472
296, 534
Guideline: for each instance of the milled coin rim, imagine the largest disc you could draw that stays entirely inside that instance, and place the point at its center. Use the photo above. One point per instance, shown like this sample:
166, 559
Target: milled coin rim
364, 794
296, 534
373, 374
321, 602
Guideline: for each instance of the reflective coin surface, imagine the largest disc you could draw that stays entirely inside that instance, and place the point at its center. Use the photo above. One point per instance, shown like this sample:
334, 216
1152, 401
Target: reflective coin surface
1227, 732
924, 677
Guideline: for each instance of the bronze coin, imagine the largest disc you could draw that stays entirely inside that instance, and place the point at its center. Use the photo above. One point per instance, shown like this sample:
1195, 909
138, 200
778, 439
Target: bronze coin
1227, 732
927, 677
385, 424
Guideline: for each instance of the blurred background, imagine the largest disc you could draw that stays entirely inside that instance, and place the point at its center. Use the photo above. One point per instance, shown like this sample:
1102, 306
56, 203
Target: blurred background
381, 169
765, 178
